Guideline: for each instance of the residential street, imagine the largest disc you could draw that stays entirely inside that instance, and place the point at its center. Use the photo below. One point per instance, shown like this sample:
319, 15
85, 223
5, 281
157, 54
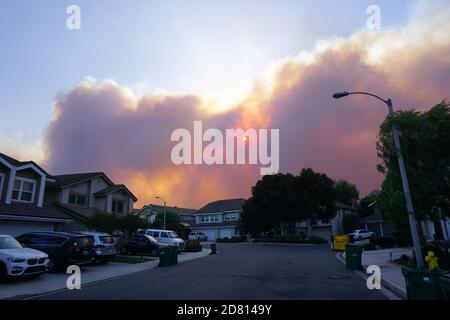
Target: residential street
239, 271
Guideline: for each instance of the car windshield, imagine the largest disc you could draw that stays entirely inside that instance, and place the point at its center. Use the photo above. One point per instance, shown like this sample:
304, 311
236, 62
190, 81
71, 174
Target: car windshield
9, 243
106, 239
173, 234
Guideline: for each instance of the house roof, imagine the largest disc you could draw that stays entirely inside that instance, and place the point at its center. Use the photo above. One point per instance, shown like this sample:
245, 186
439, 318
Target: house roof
28, 210
69, 179
179, 211
114, 188
374, 217
17, 163
222, 206
77, 212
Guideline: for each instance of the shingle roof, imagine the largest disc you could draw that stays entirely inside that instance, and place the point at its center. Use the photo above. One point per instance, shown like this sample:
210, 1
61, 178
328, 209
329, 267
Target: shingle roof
179, 211
28, 210
222, 206
113, 188
77, 212
68, 179
17, 163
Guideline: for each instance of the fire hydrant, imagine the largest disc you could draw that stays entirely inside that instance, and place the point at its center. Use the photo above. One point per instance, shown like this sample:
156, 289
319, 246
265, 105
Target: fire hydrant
432, 261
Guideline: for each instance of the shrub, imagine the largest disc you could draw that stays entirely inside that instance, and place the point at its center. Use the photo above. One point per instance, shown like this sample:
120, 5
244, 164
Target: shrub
193, 246
369, 247
383, 242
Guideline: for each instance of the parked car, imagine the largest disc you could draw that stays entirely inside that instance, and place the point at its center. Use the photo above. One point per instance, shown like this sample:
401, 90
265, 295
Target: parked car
17, 261
143, 244
105, 246
63, 248
197, 235
168, 237
362, 234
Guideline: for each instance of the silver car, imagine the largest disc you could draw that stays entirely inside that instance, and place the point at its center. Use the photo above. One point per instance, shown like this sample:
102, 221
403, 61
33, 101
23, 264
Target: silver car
105, 248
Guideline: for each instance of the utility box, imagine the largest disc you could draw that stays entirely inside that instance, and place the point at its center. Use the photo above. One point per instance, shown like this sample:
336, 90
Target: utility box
353, 256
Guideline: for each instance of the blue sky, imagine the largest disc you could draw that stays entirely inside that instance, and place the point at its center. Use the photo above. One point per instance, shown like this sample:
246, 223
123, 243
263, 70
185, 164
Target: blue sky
189, 46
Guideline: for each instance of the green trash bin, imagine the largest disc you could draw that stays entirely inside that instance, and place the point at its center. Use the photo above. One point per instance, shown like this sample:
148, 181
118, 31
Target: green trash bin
213, 248
422, 284
174, 256
165, 257
353, 256
445, 285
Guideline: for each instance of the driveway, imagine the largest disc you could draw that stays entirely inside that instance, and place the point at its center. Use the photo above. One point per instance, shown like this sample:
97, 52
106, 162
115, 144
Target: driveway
239, 271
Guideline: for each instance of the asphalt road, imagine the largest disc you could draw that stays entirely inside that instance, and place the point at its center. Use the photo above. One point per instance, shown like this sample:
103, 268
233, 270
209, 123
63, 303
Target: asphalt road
239, 271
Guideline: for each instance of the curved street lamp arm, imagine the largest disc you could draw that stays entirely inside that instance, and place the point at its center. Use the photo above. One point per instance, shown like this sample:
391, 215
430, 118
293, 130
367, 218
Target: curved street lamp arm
370, 94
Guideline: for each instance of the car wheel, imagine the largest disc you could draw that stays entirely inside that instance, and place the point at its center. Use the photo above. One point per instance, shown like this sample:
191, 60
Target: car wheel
3, 275
154, 252
52, 266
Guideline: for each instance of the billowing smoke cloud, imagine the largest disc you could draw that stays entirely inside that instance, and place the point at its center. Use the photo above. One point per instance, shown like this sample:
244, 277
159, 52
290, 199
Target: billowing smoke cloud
102, 126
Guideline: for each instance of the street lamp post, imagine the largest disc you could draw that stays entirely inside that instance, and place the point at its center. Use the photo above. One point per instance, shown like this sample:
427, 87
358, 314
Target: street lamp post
404, 176
164, 201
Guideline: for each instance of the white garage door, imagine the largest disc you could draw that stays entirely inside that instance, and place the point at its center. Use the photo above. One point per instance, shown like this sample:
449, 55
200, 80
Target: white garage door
226, 232
16, 228
210, 233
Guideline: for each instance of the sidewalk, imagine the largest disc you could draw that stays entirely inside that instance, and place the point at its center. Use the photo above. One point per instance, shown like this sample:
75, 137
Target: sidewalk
391, 273
48, 282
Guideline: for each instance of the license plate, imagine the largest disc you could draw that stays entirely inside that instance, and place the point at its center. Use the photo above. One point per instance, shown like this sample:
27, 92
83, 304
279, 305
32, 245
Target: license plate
85, 252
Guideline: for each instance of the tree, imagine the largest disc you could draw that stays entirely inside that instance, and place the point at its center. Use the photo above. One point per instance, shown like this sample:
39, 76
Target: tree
314, 197
172, 221
346, 192
350, 222
370, 200
270, 206
425, 144
108, 222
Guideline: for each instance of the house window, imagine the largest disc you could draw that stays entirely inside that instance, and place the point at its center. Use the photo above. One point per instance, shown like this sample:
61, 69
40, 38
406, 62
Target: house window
23, 190
117, 206
207, 219
77, 199
230, 217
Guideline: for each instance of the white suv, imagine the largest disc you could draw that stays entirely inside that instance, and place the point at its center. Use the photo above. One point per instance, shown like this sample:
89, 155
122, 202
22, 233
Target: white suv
197, 235
362, 234
16, 261
167, 237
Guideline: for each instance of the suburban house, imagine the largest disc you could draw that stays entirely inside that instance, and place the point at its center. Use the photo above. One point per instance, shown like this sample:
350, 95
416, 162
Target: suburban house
375, 223
80, 195
218, 219
149, 213
328, 229
23, 205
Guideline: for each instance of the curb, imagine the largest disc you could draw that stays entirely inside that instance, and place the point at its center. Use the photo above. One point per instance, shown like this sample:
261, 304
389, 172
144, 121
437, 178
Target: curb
399, 292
